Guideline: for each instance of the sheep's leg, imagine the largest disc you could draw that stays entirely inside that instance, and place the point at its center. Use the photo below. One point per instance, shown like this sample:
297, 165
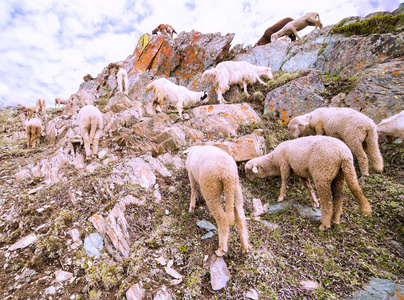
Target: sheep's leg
241, 222
86, 139
285, 173
220, 97
295, 33
179, 108
261, 81
212, 194
310, 191
324, 191
96, 139
360, 154
337, 187
28, 139
194, 192
245, 88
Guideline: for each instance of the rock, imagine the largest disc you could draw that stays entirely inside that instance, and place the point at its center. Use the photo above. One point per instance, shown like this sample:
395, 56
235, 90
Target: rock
93, 244
295, 98
22, 175
208, 235
24, 242
252, 294
135, 292
173, 273
258, 209
270, 225
206, 225
308, 211
309, 285
75, 234
163, 295
219, 274
279, 207
61, 275
141, 173
379, 289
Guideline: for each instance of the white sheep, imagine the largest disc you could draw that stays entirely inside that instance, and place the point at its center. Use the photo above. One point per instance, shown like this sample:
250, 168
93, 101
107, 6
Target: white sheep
346, 124
180, 96
29, 110
33, 129
392, 127
123, 83
235, 72
60, 101
216, 172
309, 19
40, 106
90, 123
327, 160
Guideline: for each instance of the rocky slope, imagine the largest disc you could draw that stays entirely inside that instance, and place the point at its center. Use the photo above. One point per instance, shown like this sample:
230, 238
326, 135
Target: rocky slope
134, 196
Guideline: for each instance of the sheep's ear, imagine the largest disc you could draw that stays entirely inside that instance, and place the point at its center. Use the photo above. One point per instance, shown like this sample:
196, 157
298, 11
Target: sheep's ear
255, 170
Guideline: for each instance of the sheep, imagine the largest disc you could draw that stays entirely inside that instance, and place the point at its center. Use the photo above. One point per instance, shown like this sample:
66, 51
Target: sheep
40, 106
90, 124
392, 127
60, 101
33, 129
122, 78
346, 124
309, 19
216, 172
164, 29
180, 96
327, 160
235, 72
266, 38
29, 110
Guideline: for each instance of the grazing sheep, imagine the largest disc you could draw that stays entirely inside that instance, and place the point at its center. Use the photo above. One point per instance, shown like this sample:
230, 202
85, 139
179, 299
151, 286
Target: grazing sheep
164, 29
29, 110
33, 129
392, 127
60, 101
327, 160
266, 38
309, 19
216, 172
235, 72
346, 124
90, 123
40, 106
122, 78
180, 96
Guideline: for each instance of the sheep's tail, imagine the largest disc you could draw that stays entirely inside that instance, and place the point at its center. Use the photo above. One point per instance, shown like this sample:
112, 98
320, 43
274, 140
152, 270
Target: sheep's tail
229, 192
372, 144
351, 179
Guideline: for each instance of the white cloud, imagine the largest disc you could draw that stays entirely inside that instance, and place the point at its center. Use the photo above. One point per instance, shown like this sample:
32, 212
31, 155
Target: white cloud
48, 46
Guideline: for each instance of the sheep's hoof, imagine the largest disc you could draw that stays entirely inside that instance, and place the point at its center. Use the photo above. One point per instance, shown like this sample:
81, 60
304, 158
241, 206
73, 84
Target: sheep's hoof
323, 228
367, 213
220, 252
280, 199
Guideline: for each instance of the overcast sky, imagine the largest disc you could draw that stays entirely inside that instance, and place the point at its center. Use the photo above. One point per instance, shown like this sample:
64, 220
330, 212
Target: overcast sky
47, 46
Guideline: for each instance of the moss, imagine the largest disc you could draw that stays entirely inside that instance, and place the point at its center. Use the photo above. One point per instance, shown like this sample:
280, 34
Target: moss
378, 24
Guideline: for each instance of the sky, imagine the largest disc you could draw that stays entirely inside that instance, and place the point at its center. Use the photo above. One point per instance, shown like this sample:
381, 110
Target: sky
47, 46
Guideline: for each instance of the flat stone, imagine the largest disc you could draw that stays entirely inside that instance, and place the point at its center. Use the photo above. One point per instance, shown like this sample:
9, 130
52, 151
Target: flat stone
24, 242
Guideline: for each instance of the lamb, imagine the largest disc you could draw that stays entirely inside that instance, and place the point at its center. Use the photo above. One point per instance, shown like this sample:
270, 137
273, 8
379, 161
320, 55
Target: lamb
266, 38
90, 124
235, 72
309, 19
392, 127
164, 29
216, 172
33, 129
29, 110
40, 106
60, 101
122, 78
346, 124
180, 96
327, 160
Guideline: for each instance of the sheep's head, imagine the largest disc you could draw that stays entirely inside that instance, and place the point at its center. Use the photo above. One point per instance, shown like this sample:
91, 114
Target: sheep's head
268, 73
299, 126
155, 31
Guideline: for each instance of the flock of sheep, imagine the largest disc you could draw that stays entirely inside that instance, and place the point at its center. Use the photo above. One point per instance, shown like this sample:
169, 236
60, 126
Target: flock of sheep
336, 135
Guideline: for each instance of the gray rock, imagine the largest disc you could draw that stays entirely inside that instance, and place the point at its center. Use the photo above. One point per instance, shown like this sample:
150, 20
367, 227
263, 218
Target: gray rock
379, 289
93, 244
308, 211
206, 225
279, 207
